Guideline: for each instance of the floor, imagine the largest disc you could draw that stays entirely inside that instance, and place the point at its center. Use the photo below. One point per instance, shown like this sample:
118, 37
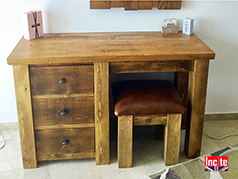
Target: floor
147, 155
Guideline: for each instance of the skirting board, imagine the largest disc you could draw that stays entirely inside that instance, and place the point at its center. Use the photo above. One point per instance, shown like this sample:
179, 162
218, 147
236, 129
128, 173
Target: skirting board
221, 117
9, 125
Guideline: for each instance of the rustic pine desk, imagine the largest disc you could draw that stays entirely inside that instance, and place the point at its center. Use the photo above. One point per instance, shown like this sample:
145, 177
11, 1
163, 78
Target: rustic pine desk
62, 88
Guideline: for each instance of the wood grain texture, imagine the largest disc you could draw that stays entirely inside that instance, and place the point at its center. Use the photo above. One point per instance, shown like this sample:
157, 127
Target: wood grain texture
196, 108
100, 49
48, 111
65, 96
65, 126
45, 80
81, 155
172, 139
144, 5
175, 4
135, 4
59, 49
25, 118
50, 143
98, 4
169, 4
131, 5
101, 102
150, 120
125, 140
155, 3
153, 66
117, 3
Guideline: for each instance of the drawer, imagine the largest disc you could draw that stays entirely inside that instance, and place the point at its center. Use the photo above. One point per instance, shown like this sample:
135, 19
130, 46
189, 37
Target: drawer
75, 79
54, 111
56, 144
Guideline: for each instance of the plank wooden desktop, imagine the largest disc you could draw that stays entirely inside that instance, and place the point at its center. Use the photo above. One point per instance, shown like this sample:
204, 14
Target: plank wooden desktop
117, 52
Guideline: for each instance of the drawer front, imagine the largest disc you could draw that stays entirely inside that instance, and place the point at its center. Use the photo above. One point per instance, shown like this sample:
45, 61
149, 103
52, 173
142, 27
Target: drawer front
61, 79
56, 111
55, 144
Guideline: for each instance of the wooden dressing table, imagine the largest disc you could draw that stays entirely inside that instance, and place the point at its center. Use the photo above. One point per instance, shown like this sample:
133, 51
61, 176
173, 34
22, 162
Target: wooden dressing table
62, 88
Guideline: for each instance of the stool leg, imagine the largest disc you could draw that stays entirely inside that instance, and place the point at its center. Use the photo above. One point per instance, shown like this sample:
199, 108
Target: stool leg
125, 139
172, 139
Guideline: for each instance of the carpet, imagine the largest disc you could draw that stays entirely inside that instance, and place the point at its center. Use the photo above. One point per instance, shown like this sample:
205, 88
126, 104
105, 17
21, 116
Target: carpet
194, 169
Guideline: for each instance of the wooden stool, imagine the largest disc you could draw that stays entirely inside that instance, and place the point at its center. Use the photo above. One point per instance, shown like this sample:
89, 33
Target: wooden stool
147, 102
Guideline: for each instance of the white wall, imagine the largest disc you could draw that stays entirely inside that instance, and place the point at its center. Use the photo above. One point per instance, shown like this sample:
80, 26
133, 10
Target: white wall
215, 23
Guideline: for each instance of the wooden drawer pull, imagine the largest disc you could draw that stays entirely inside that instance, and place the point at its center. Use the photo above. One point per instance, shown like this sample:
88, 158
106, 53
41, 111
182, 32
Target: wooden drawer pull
62, 80
65, 142
64, 112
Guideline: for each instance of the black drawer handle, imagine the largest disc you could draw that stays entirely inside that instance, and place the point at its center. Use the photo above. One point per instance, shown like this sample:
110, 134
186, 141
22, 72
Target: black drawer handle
65, 142
62, 80
64, 112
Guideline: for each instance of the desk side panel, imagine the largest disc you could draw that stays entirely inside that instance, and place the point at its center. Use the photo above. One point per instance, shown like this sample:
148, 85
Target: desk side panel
25, 117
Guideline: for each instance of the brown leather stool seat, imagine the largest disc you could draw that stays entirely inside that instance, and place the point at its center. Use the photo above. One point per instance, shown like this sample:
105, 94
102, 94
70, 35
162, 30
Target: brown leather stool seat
144, 97
147, 102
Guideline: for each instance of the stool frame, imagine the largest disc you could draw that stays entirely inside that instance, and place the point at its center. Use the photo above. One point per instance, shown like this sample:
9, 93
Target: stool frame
172, 129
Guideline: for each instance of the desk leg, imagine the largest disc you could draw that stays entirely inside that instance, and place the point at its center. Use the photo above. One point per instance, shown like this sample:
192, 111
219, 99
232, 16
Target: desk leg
182, 90
101, 88
25, 118
196, 108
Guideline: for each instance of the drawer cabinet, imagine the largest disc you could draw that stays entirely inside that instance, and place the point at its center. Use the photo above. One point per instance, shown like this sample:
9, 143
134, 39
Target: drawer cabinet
63, 111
